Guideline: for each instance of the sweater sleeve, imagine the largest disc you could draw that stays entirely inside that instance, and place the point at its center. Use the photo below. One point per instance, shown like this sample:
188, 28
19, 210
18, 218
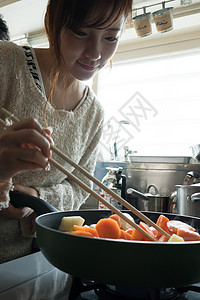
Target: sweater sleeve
68, 195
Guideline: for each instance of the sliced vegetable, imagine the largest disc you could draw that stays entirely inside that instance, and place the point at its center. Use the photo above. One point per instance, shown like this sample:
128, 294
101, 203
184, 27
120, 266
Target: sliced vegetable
188, 235
162, 223
174, 225
116, 218
81, 232
67, 223
125, 235
86, 228
155, 231
130, 231
175, 239
137, 236
124, 224
93, 226
147, 229
163, 238
108, 228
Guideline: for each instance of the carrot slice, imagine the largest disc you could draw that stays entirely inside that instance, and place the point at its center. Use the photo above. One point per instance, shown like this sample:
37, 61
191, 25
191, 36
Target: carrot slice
163, 238
188, 235
86, 228
155, 231
162, 223
174, 225
137, 235
125, 235
130, 231
108, 228
116, 218
83, 233
147, 229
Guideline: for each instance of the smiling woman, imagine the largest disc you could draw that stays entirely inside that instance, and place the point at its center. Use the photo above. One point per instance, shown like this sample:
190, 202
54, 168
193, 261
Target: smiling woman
45, 83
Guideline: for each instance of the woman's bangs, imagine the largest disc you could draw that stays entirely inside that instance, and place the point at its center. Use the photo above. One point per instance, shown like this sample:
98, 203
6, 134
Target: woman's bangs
95, 13
107, 15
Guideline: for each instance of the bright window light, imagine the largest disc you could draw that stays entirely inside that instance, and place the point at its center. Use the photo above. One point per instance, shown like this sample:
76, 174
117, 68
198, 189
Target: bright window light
160, 99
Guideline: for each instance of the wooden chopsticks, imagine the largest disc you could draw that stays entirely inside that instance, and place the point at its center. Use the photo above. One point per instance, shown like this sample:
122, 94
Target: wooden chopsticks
100, 184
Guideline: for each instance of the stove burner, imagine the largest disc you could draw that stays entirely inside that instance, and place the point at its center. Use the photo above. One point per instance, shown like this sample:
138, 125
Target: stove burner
109, 292
80, 286
128, 293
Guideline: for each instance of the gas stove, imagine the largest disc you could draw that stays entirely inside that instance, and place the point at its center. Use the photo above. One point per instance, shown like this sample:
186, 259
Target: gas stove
33, 278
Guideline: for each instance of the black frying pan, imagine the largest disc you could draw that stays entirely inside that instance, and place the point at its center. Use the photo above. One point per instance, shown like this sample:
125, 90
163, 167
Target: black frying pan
138, 264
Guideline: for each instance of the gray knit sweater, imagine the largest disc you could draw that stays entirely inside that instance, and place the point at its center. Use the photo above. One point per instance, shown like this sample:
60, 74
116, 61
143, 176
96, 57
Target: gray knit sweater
76, 133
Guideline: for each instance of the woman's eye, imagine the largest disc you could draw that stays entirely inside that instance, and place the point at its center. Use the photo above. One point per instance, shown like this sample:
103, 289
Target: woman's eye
80, 33
112, 39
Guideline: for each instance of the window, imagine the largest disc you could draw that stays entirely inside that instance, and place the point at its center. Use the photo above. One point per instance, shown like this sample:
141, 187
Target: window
160, 99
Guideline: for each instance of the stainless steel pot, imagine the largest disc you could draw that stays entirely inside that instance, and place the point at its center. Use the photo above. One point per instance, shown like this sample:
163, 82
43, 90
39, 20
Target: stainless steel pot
151, 202
188, 200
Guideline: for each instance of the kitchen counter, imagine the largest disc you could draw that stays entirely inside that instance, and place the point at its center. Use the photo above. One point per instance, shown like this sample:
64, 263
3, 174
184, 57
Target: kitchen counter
32, 278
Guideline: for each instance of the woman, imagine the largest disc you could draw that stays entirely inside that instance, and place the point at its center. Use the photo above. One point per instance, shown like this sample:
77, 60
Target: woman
47, 84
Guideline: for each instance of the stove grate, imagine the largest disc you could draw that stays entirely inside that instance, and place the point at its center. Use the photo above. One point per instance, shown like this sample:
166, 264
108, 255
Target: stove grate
112, 292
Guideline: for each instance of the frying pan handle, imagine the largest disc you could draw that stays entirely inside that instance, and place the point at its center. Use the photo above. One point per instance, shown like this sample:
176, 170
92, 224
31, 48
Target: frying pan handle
19, 199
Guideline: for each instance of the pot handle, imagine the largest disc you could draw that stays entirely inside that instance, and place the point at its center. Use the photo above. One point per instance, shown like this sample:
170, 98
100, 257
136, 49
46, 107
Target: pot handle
19, 199
195, 197
137, 194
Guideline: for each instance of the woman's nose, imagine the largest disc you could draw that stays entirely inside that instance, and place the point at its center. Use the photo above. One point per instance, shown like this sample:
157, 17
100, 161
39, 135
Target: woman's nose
93, 51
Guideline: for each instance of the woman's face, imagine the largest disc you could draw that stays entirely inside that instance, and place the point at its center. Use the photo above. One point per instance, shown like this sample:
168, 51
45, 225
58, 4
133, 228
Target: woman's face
87, 50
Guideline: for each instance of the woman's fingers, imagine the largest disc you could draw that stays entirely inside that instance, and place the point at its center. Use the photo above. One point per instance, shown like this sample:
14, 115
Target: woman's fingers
27, 123
26, 189
23, 146
31, 124
16, 213
32, 137
24, 158
27, 131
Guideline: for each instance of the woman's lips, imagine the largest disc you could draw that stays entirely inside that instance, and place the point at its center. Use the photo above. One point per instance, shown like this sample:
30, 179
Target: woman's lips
88, 68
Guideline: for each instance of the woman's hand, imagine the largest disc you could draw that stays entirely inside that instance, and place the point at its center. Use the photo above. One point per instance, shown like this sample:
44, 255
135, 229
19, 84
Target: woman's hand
26, 190
23, 146
16, 213
22, 212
